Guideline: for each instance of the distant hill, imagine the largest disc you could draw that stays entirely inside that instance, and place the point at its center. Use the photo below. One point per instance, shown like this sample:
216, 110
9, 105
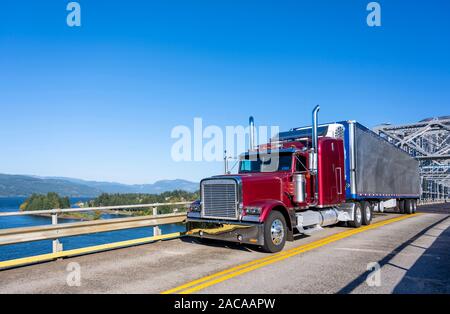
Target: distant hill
155, 188
21, 185
18, 185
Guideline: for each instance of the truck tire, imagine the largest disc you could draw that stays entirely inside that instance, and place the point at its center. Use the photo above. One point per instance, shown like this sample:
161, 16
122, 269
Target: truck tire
366, 213
275, 232
408, 207
401, 206
380, 206
414, 206
357, 217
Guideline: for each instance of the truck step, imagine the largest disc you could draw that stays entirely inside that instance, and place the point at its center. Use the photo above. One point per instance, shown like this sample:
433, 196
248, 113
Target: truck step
309, 230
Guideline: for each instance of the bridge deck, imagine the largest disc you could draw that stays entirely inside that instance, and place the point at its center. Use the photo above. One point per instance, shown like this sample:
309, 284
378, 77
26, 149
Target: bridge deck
413, 254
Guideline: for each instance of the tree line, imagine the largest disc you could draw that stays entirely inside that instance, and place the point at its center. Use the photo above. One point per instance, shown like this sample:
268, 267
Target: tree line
176, 196
44, 202
54, 201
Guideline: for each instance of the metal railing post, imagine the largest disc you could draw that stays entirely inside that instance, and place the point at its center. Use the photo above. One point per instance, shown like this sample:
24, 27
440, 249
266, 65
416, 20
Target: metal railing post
156, 229
57, 245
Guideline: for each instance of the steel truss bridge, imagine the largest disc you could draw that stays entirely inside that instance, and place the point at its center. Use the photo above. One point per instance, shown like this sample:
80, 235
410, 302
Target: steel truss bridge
429, 142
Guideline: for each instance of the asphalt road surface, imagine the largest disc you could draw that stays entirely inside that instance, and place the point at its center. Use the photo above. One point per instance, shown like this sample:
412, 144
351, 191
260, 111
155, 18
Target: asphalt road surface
396, 254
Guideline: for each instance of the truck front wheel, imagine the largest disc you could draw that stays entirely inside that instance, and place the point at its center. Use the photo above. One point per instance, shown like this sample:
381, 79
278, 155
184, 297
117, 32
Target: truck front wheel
275, 232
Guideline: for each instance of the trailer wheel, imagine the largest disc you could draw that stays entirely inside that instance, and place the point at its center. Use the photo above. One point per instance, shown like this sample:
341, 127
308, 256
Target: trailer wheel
408, 207
357, 217
414, 206
380, 207
275, 232
366, 213
401, 206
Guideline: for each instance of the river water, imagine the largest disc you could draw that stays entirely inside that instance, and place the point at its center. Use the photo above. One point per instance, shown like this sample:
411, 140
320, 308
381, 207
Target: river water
13, 251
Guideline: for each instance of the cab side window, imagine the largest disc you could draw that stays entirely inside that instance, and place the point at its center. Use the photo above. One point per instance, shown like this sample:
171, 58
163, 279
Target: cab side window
300, 164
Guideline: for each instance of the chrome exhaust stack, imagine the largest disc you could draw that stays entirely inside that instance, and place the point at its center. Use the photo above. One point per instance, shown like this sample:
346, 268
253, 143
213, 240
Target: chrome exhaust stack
315, 115
313, 165
251, 122
314, 138
225, 161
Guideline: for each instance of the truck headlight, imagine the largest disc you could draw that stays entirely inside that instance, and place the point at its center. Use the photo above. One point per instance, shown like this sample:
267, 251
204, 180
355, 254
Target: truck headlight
253, 211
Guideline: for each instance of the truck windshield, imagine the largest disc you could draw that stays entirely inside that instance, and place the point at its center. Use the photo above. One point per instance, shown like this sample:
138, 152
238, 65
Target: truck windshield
265, 163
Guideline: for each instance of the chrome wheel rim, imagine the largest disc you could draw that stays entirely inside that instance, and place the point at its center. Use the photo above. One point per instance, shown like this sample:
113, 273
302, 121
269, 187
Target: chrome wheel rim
277, 232
358, 214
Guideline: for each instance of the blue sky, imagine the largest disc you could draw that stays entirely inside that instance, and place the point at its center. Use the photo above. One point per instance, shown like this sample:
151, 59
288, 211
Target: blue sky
100, 101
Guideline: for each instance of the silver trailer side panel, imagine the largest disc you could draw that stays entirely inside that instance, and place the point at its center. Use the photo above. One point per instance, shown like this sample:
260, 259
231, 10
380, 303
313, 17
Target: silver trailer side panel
375, 168
382, 169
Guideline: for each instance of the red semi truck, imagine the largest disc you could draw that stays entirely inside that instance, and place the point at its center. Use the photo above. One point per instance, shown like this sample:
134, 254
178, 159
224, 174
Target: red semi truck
303, 180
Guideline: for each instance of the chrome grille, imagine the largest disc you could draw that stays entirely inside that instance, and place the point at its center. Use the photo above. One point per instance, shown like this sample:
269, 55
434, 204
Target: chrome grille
219, 198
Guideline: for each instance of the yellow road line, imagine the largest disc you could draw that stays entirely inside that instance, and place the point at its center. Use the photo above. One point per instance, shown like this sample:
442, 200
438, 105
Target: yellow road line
86, 250
269, 257
221, 276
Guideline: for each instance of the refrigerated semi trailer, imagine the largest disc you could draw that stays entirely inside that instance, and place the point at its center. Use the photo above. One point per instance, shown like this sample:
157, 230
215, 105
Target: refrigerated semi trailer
303, 180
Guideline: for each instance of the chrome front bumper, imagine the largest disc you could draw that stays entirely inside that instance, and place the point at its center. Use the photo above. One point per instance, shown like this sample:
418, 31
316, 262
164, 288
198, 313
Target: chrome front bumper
248, 233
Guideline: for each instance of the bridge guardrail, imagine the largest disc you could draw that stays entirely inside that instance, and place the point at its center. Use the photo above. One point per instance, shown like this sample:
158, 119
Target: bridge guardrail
56, 230
431, 201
